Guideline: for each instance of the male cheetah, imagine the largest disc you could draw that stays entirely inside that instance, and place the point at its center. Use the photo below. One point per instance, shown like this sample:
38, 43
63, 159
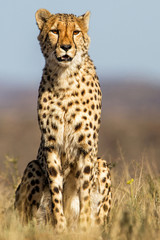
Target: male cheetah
67, 183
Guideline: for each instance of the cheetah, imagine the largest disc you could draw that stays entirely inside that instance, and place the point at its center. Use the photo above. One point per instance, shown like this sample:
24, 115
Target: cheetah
67, 183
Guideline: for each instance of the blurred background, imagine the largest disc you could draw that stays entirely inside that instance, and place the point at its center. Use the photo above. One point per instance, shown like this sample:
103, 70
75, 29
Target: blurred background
125, 39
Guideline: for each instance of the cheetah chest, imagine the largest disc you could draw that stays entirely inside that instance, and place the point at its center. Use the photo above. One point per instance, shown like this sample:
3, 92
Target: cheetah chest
70, 116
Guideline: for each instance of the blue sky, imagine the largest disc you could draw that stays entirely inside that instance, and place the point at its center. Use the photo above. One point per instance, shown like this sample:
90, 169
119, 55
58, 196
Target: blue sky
125, 37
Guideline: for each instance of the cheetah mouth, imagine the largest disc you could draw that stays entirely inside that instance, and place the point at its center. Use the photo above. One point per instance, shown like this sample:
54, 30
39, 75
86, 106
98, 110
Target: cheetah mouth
64, 58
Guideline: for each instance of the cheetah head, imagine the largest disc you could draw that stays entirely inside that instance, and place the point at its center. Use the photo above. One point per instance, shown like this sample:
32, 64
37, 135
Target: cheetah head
63, 37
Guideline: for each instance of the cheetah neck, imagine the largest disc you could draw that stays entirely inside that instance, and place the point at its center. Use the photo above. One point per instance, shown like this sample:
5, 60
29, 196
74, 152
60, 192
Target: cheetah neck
64, 70
66, 77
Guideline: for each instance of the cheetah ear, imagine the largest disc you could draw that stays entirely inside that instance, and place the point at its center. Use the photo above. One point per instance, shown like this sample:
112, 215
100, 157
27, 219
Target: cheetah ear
42, 15
85, 19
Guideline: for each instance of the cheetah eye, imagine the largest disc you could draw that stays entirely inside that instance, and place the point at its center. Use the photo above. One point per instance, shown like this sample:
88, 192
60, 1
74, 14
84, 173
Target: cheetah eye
76, 32
54, 31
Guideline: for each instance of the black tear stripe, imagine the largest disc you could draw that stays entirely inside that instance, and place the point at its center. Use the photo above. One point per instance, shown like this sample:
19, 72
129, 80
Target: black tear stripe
74, 43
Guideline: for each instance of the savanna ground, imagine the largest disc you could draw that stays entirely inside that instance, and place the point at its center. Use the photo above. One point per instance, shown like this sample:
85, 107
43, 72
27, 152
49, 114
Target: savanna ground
129, 140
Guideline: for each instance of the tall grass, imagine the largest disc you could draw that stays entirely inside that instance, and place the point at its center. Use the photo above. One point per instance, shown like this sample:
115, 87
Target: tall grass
135, 210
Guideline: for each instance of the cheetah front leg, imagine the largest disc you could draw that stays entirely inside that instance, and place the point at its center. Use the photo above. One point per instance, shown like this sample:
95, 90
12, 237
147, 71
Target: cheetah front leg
56, 188
83, 179
103, 188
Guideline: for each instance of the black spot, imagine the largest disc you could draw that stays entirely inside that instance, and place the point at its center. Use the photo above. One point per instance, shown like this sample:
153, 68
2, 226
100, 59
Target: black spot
82, 92
38, 173
44, 115
53, 171
99, 92
30, 197
34, 202
71, 165
83, 151
79, 67
108, 175
54, 126
30, 175
57, 210
77, 174
95, 117
94, 135
87, 169
44, 99
89, 142
90, 124
59, 103
83, 79
85, 184
104, 179
37, 181
57, 117
70, 104
84, 117
105, 207
81, 137
77, 109
89, 112
93, 106
51, 138
56, 190
32, 182
78, 126
104, 164
73, 115
90, 90
56, 200
33, 191
37, 189
44, 130
53, 205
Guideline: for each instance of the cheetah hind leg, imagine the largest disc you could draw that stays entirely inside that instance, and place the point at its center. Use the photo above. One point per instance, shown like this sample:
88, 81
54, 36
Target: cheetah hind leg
32, 197
101, 193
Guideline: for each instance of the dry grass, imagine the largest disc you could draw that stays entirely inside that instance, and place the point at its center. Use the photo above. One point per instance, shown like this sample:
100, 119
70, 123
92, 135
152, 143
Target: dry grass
135, 207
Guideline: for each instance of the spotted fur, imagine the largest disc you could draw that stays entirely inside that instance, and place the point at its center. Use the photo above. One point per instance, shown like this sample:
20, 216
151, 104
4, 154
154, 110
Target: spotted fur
74, 186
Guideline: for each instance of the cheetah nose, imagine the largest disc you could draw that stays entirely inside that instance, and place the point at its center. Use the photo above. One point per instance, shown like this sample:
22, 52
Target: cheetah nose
66, 47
